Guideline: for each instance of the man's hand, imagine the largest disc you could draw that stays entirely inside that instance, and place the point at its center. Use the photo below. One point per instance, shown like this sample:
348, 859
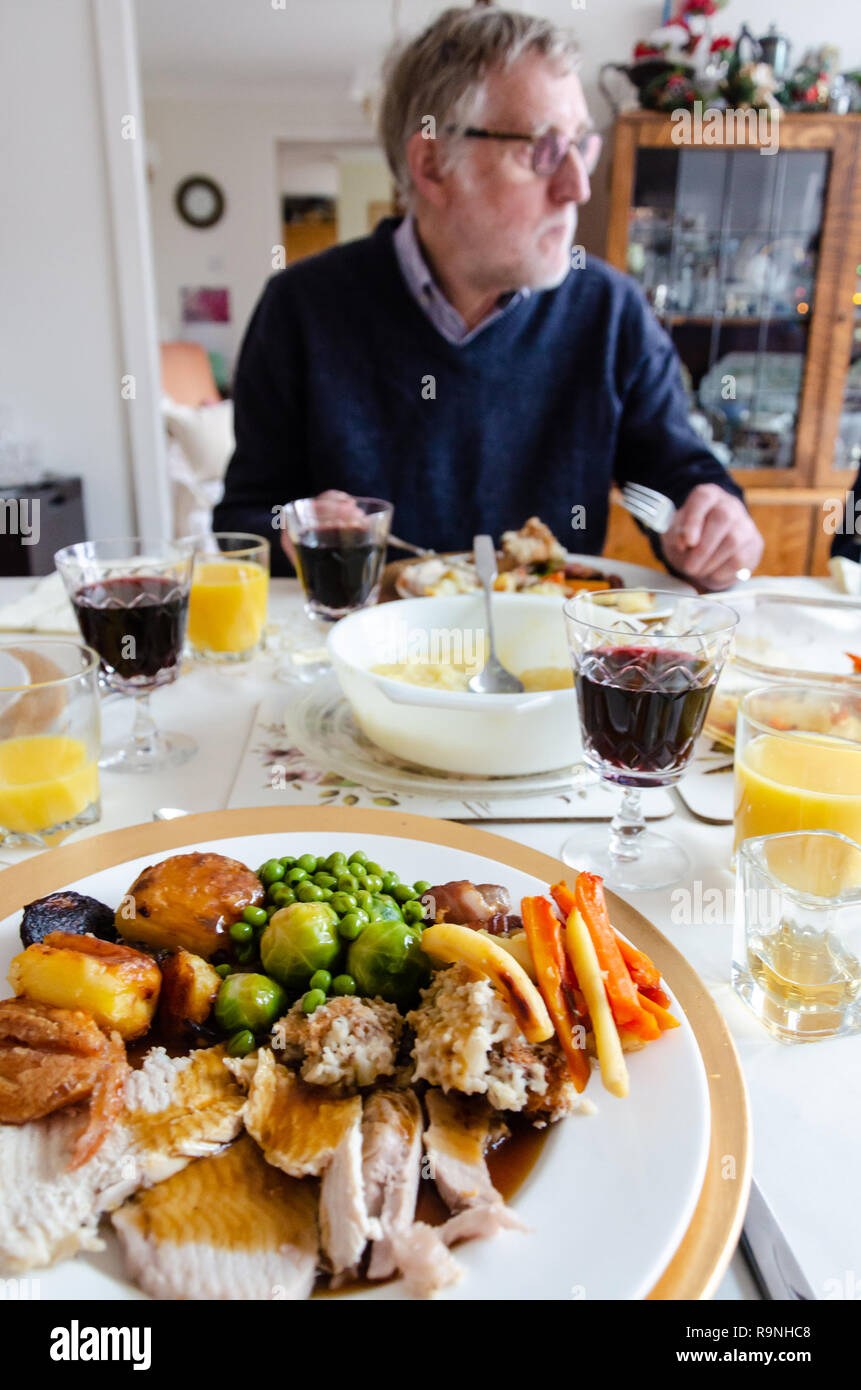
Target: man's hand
332, 508
712, 537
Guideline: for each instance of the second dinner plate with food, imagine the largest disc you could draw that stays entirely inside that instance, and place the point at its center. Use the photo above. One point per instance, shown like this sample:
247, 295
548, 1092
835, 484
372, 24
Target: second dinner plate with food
271, 1054
532, 561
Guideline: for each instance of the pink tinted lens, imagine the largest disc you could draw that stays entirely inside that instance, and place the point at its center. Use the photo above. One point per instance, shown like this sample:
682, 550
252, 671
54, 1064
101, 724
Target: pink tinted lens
548, 152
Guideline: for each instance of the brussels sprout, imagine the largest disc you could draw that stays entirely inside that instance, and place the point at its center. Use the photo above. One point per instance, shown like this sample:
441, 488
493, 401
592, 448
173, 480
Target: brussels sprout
387, 960
250, 1002
384, 909
300, 939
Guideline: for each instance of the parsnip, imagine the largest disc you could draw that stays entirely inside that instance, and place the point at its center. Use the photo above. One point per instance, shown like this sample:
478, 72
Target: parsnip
581, 952
518, 947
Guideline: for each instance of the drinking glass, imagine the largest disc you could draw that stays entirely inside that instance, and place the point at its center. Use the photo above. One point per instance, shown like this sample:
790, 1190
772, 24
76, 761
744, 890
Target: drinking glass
643, 686
798, 761
131, 601
229, 588
796, 958
339, 562
49, 740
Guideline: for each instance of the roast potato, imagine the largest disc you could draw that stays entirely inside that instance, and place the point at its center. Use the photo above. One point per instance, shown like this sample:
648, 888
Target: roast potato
189, 986
188, 902
66, 911
118, 986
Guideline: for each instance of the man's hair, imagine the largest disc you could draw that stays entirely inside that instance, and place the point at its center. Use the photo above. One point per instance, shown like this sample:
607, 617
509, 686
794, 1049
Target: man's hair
441, 73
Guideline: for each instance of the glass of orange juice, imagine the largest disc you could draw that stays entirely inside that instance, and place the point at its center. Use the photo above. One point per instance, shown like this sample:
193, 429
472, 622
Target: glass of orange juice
50, 737
798, 761
229, 589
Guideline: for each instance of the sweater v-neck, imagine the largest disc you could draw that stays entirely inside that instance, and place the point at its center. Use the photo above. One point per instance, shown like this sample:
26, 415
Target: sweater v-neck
495, 338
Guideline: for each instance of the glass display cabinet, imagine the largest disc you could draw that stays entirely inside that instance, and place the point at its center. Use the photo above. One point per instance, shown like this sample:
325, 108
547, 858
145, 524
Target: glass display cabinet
752, 262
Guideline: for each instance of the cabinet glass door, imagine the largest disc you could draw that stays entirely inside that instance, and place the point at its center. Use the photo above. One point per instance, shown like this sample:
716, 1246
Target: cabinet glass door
847, 447
725, 245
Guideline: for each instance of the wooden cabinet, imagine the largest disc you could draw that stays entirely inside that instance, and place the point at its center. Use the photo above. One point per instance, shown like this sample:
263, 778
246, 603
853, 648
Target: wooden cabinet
752, 261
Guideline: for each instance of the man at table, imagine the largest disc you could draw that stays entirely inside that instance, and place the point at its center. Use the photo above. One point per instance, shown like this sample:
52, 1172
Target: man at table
467, 361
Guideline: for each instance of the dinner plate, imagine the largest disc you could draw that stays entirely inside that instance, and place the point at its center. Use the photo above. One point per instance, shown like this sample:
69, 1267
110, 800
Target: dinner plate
645, 1198
632, 576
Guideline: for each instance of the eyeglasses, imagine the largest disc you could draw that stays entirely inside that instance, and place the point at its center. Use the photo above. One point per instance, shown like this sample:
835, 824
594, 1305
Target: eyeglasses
548, 149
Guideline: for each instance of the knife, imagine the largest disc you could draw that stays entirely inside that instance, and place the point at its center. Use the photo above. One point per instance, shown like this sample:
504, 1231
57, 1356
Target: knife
766, 1249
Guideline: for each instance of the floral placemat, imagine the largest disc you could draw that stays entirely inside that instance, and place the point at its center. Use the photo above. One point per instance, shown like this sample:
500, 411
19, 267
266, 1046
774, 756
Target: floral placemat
305, 748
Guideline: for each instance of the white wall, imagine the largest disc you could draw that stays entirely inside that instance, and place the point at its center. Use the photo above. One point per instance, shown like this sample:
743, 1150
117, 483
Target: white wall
239, 143
360, 181
60, 358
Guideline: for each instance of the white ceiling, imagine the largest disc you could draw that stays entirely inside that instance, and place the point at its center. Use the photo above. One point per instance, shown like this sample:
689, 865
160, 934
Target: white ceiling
261, 44
272, 48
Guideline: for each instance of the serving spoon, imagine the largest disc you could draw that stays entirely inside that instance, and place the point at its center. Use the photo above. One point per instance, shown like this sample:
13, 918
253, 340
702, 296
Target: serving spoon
494, 679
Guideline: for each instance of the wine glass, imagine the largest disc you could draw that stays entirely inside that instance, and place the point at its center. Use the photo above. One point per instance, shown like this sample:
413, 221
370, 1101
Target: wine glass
643, 687
131, 600
338, 546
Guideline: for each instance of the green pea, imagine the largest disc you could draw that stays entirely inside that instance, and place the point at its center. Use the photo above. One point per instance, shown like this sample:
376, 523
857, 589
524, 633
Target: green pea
270, 911
403, 894
364, 899
255, 916
324, 880
390, 881
421, 885
321, 979
296, 875
373, 883
347, 883
223, 970
240, 932
343, 984
413, 912
282, 895
288, 860
272, 871
244, 951
241, 1043
344, 902
372, 868
336, 863
308, 892
312, 1000
328, 895
308, 862
351, 925
358, 857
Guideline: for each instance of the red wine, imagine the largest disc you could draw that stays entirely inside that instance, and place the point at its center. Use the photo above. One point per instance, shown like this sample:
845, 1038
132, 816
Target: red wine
339, 566
137, 626
642, 710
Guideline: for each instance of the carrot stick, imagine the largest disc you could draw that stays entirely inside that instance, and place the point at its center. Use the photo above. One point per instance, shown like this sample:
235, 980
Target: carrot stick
643, 972
657, 996
557, 983
662, 1017
621, 993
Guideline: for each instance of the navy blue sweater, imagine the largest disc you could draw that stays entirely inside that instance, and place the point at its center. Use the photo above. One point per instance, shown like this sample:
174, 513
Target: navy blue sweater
343, 382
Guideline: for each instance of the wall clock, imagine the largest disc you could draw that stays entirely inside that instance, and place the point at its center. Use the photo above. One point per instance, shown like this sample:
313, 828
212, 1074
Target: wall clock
199, 201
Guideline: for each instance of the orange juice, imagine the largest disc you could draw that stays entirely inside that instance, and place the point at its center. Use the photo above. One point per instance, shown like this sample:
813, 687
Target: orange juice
797, 784
227, 608
45, 780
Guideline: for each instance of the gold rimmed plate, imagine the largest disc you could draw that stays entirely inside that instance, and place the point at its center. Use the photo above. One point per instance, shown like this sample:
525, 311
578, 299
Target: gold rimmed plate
643, 1199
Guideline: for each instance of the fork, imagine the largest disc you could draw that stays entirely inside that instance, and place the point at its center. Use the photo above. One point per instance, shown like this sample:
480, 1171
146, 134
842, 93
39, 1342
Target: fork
656, 512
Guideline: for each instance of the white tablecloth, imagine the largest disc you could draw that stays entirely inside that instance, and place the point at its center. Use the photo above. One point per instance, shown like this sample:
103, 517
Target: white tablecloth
806, 1100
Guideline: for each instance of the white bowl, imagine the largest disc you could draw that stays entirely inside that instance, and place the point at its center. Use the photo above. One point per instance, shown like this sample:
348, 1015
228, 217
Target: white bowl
454, 731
